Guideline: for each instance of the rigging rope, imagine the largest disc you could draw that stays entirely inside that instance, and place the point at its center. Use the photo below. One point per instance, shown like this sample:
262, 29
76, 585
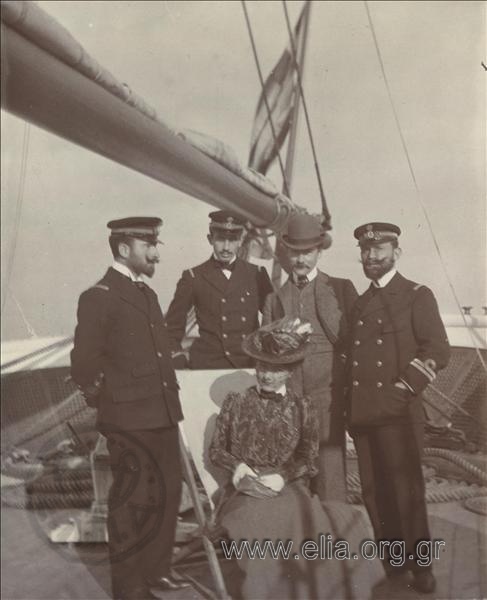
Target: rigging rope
18, 209
324, 206
416, 186
28, 326
264, 95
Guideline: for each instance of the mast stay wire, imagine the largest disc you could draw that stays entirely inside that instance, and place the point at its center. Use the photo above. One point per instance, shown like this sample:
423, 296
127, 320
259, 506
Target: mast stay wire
18, 210
324, 206
264, 95
416, 186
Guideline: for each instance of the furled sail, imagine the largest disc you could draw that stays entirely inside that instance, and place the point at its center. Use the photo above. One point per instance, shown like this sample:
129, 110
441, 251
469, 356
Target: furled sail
49, 80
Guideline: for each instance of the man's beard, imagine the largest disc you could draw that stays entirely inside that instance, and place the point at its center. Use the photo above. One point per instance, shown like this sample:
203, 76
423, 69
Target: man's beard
149, 269
378, 268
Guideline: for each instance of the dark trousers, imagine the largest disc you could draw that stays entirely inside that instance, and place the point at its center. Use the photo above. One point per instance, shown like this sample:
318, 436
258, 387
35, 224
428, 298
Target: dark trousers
389, 459
143, 505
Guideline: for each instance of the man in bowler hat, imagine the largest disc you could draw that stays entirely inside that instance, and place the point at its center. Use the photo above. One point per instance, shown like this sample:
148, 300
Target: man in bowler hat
325, 302
122, 363
398, 344
226, 293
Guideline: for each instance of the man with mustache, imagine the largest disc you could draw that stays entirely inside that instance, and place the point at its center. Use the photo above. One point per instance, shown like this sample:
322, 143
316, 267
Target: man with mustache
226, 293
398, 344
325, 302
122, 364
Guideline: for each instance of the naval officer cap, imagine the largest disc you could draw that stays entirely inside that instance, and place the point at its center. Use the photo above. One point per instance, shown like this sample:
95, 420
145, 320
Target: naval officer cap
142, 228
376, 233
226, 222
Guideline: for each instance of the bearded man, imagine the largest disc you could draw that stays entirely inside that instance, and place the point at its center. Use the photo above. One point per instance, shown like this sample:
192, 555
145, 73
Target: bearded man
398, 344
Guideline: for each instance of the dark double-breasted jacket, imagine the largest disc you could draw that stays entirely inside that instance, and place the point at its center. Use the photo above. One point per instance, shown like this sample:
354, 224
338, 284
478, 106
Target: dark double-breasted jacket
397, 337
226, 311
121, 333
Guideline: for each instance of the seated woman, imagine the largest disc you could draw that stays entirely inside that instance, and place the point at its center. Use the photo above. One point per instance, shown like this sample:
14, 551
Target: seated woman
267, 438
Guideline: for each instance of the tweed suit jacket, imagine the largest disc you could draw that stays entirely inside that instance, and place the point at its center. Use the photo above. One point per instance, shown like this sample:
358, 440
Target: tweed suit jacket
396, 331
121, 333
334, 299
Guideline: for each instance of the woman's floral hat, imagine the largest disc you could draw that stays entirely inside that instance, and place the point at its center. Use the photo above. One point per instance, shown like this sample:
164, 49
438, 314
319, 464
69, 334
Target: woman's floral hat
281, 342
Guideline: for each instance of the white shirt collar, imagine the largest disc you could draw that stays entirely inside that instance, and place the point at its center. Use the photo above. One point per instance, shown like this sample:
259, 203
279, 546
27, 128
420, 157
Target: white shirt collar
124, 270
385, 279
282, 390
311, 275
226, 272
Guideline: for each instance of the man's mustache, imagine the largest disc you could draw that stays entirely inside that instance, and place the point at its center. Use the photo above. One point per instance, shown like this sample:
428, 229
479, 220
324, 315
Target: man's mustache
371, 263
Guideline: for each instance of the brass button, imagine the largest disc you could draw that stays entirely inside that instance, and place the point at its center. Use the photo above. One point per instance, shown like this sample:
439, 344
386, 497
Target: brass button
355, 363
244, 319
379, 342
355, 383
379, 384
379, 321
360, 323
225, 336
243, 336
379, 363
164, 383
227, 353
152, 325
242, 299
159, 354
224, 300
224, 318
357, 342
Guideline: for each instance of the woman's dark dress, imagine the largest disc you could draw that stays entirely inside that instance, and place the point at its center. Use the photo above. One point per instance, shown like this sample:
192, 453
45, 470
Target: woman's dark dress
281, 436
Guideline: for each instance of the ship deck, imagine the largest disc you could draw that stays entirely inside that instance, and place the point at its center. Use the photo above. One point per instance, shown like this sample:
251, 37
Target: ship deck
35, 569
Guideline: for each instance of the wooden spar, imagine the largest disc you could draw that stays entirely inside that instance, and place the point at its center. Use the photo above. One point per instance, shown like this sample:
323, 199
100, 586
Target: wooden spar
44, 91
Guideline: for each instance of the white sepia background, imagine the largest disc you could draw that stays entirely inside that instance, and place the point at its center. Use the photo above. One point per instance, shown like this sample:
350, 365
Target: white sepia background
192, 61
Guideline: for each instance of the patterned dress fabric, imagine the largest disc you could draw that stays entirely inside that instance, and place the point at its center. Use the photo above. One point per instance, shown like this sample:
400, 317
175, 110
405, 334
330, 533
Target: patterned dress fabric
282, 436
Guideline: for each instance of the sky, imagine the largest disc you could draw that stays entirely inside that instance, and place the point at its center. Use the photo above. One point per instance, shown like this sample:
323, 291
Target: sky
192, 61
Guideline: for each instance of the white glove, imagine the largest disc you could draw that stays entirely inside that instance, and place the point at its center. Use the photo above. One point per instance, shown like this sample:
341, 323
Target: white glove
240, 471
274, 481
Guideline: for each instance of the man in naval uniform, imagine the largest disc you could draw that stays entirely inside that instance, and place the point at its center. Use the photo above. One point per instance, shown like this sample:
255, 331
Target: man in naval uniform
326, 302
227, 294
122, 363
398, 344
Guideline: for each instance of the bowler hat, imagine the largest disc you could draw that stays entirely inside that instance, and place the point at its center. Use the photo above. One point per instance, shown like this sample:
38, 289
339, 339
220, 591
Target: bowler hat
304, 232
279, 343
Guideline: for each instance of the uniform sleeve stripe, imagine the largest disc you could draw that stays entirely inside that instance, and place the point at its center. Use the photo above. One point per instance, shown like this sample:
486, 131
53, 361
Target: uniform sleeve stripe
426, 371
407, 385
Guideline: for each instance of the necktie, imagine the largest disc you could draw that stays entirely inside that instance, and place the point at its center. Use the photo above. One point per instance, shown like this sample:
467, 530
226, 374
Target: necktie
270, 395
302, 281
225, 266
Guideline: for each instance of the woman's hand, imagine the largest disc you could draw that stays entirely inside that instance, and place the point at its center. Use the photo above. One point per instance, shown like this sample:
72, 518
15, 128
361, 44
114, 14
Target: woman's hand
274, 481
241, 470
